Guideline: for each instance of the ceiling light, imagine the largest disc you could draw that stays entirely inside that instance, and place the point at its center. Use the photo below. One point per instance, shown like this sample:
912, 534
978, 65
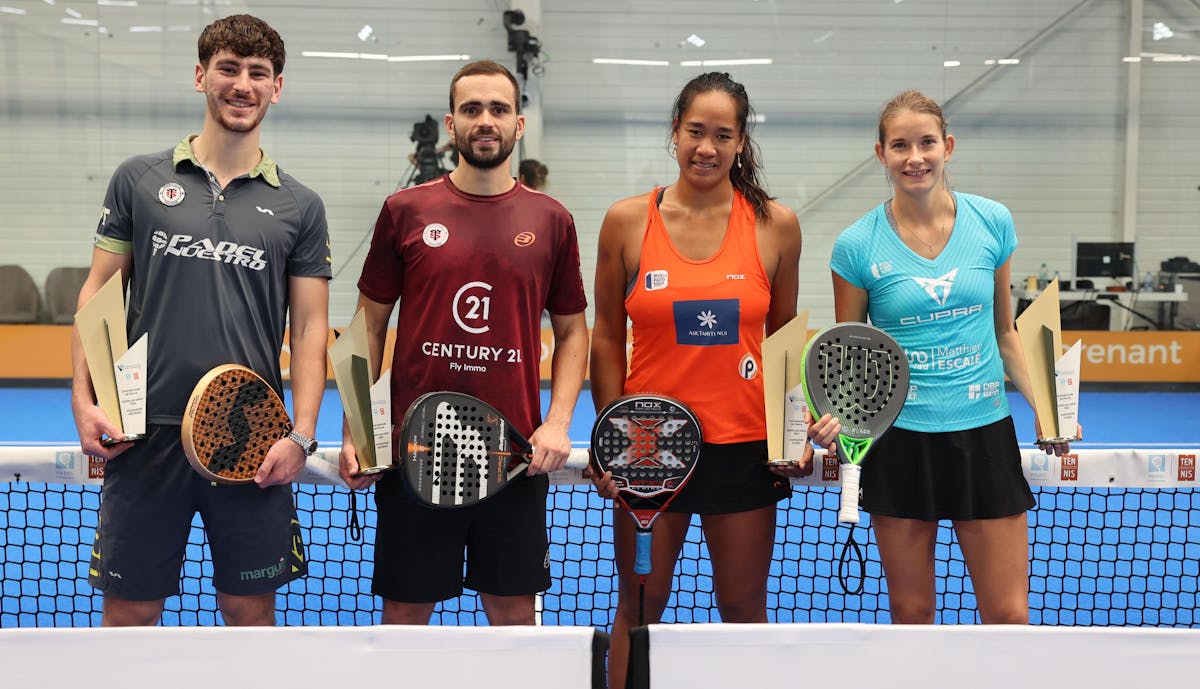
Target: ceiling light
695, 40
622, 61
1008, 61
428, 58
145, 29
951, 63
1161, 31
365, 32
80, 22
117, 3
73, 13
727, 63
823, 37
322, 53
11, 10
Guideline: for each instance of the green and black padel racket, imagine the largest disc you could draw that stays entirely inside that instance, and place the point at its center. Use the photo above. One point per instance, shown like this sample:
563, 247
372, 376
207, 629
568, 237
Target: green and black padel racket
859, 374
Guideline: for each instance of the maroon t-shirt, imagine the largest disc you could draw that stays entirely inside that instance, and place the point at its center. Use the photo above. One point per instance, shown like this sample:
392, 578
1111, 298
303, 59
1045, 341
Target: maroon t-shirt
473, 275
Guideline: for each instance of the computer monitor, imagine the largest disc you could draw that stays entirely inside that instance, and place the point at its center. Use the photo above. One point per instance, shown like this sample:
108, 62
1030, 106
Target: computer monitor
1104, 259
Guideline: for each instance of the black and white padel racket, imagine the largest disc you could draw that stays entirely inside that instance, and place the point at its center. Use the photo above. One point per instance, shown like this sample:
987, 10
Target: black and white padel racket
859, 374
457, 450
650, 443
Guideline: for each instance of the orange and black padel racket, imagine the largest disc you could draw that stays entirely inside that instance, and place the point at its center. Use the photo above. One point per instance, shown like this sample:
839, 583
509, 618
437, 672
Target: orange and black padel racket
232, 419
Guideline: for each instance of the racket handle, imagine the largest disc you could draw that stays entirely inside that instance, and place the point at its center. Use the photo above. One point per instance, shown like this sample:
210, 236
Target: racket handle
641, 562
848, 514
578, 459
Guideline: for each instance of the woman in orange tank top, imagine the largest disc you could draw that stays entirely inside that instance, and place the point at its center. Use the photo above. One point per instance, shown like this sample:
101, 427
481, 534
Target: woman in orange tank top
702, 269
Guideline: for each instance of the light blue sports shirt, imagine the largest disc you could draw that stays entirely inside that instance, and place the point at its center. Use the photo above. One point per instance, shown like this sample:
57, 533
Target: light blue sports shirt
939, 310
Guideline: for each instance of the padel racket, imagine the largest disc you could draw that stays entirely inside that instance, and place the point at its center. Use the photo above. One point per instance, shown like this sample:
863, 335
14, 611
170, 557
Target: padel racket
650, 443
232, 419
457, 450
859, 374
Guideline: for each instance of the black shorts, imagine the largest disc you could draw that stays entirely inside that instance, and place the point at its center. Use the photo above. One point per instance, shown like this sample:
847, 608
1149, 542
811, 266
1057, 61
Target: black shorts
419, 550
731, 477
150, 497
959, 475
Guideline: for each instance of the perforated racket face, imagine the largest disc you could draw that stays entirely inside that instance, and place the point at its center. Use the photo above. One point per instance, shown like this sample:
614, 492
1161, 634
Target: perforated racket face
232, 420
859, 374
457, 450
650, 443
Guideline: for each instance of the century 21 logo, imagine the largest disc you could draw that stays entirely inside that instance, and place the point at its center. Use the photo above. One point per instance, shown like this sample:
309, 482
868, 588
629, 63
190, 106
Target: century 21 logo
473, 307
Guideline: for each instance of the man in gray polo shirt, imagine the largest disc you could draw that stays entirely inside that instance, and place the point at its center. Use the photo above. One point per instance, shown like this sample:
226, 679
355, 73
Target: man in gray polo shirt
218, 247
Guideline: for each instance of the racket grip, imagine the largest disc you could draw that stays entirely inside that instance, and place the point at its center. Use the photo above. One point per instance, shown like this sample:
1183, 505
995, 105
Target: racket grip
641, 562
578, 459
848, 514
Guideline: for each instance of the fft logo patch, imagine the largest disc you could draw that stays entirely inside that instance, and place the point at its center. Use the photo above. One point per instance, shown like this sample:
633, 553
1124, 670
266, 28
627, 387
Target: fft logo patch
1156, 467
1039, 466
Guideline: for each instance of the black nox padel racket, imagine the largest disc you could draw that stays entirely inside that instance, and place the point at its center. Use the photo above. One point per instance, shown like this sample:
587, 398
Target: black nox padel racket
859, 374
651, 444
457, 450
230, 423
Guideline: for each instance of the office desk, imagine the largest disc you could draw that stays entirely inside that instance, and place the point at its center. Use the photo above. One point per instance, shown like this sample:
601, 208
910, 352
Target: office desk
1118, 318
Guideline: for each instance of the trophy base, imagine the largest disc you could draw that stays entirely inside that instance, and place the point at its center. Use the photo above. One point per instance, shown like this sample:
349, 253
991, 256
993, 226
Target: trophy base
375, 470
1046, 441
783, 462
109, 442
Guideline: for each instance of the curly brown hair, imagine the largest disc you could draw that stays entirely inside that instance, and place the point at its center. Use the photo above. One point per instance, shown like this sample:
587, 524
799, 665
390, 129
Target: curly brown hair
244, 36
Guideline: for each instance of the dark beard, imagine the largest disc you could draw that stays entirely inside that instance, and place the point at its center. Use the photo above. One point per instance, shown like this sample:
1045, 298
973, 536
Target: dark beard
484, 163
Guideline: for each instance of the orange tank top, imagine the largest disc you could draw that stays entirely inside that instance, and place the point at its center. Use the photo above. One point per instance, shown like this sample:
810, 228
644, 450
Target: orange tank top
698, 326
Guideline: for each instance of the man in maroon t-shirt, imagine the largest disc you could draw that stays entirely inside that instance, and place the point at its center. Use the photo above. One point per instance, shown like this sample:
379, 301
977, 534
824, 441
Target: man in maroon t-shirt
473, 259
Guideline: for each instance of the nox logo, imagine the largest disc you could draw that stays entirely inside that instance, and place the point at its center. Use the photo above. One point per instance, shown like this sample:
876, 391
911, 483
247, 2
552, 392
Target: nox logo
647, 405
938, 288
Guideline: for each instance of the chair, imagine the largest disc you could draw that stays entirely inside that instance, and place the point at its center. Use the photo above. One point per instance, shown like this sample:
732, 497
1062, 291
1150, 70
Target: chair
19, 298
62, 293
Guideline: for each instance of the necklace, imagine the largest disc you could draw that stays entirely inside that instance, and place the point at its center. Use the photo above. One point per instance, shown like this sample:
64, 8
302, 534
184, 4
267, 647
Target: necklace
941, 233
914, 235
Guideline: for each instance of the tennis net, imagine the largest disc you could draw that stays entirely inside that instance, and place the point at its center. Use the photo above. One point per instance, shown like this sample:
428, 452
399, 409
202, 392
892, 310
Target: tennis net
1114, 539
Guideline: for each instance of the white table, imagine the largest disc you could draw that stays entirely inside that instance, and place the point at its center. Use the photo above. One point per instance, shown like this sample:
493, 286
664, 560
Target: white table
1119, 318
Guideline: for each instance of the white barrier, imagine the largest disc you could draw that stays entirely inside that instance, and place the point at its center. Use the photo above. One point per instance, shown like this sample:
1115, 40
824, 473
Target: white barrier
700, 656
1091, 468
208, 657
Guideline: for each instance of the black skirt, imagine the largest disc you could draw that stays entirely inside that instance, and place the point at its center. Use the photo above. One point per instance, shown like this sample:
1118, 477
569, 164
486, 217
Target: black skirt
730, 478
959, 475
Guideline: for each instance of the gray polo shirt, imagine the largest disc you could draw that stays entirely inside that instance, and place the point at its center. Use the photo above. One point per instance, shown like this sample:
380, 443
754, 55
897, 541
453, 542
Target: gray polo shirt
210, 266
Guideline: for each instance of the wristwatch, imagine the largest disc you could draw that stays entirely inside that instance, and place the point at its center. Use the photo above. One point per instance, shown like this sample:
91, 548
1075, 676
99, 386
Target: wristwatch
307, 444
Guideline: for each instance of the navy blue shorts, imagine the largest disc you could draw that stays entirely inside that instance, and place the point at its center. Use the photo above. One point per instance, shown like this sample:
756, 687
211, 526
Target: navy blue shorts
150, 497
420, 551
959, 475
